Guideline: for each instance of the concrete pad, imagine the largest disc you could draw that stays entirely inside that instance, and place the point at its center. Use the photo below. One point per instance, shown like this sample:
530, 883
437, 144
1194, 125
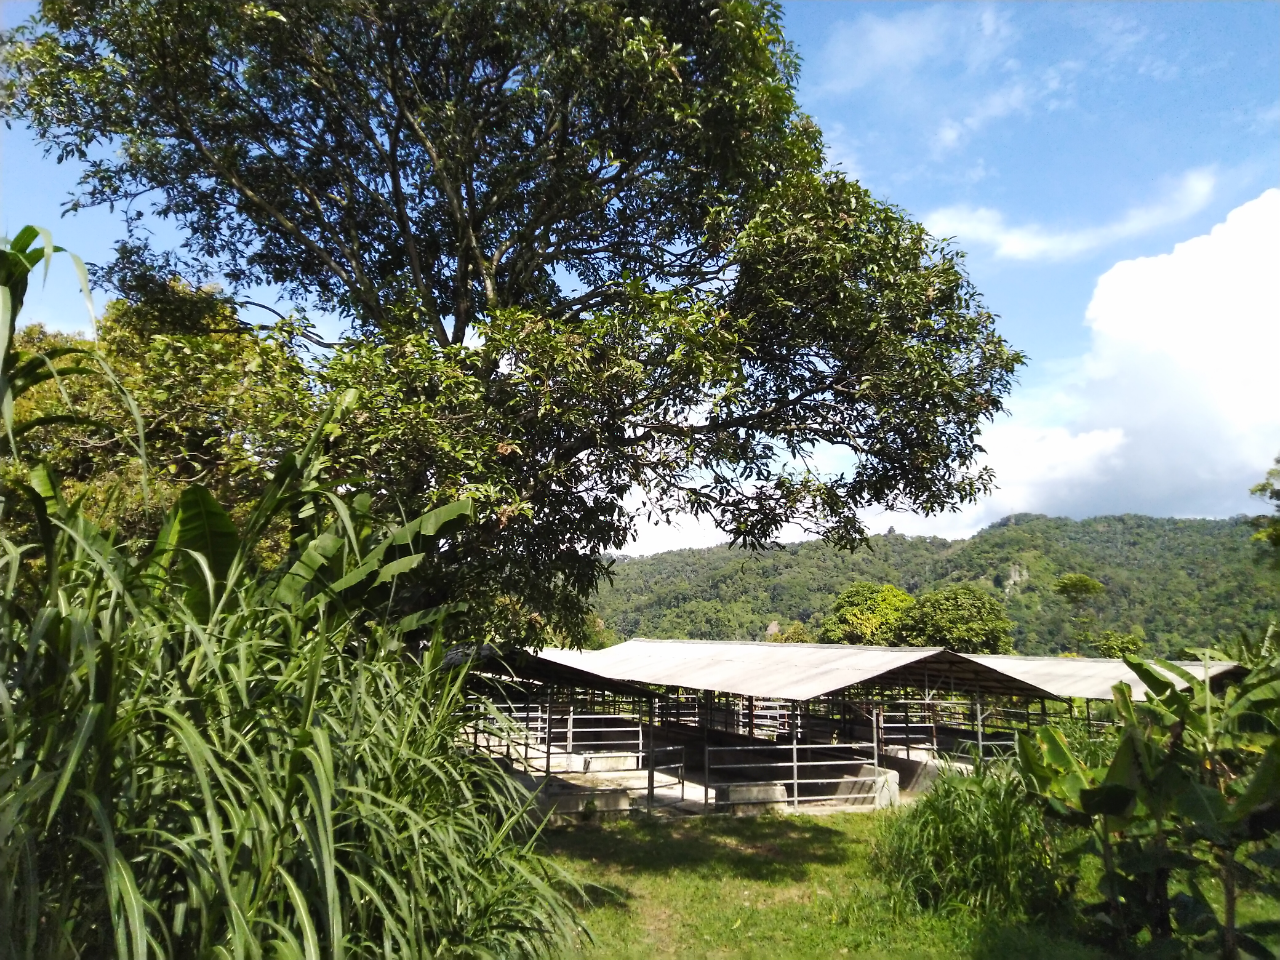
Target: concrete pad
751, 799
595, 764
870, 786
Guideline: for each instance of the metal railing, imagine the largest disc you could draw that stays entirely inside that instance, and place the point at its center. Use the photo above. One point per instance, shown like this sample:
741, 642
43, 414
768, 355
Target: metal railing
804, 772
542, 743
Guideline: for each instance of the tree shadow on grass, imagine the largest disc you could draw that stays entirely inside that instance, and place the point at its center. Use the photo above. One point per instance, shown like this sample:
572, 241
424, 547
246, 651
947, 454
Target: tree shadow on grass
999, 940
767, 849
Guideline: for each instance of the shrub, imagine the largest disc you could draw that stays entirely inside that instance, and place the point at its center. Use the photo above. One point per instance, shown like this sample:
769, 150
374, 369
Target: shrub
201, 757
976, 842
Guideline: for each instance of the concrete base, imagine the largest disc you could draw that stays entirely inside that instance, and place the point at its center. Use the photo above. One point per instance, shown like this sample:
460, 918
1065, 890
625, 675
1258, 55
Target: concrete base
564, 803
917, 774
751, 800
595, 764
858, 789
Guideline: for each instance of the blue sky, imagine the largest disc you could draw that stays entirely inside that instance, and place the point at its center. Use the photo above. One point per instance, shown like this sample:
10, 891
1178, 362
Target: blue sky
1111, 170
1062, 117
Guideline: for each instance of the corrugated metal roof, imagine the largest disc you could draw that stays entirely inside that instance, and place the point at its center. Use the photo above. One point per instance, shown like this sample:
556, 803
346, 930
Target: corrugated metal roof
786, 671
802, 671
1088, 677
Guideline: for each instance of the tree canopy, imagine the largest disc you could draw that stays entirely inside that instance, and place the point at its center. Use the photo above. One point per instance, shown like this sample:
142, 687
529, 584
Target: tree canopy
1268, 526
960, 617
867, 613
587, 251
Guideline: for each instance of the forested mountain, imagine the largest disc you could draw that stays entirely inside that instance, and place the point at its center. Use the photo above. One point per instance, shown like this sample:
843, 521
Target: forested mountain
1184, 582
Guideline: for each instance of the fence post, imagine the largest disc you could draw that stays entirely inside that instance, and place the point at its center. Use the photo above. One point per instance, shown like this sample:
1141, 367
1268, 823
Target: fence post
906, 725
875, 758
706, 775
569, 731
795, 759
653, 746
551, 699
978, 713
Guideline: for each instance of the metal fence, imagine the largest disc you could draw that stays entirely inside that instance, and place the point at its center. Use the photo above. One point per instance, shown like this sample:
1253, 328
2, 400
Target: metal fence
789, 774
543, 743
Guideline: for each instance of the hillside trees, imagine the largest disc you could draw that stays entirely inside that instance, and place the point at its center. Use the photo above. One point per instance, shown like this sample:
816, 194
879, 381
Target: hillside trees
584, 249
867, 613
1080, 591
959, 617
1268, 526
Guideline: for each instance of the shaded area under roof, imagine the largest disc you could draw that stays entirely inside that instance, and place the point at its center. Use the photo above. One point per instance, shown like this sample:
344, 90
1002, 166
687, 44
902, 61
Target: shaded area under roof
802, 671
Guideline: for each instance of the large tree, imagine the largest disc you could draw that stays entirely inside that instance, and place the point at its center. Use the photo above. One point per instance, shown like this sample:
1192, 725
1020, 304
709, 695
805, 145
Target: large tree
587, 250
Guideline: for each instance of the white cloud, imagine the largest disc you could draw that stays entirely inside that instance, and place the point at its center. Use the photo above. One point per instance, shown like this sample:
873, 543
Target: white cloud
887, 51
1013, 98
1172, 411
1186, 197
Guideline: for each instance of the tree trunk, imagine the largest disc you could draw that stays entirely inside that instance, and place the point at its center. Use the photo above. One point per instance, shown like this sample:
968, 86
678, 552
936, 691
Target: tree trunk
1108, 863
1230, 951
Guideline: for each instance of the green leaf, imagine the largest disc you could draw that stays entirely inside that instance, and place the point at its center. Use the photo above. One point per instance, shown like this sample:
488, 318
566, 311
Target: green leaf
1264, 785
397, 567
304, 570
1110, 799
201, 526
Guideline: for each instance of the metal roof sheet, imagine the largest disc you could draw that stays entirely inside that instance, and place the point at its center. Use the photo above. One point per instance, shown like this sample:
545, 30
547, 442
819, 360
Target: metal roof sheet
802, 671
786, 671
1090, 678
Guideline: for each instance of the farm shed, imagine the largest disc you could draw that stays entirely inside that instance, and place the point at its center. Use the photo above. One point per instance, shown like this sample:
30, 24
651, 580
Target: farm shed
754, 725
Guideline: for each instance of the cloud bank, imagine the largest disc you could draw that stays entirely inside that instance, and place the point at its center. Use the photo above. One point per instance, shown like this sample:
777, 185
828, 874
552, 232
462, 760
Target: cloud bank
1173, 411
1184, 198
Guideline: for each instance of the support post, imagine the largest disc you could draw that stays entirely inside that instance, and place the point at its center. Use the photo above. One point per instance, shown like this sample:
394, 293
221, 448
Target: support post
652, 750
551, 699
568, 747
751, 717
978, 715
795, 758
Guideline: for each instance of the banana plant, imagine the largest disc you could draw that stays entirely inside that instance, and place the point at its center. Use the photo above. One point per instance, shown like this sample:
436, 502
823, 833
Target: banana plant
1099, 798
1194, 768
20, 370
1221, 760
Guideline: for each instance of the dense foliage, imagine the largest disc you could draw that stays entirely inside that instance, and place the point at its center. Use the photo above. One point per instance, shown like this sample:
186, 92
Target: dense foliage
1183, 582
218, 401
203, 755
959, 617
585, 249
974, 842
1191, 791
867, 613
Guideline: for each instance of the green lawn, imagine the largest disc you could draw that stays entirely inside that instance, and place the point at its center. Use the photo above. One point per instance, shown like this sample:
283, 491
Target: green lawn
768, 888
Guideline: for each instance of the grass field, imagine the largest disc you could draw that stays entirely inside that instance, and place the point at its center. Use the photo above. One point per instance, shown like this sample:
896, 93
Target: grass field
769, 888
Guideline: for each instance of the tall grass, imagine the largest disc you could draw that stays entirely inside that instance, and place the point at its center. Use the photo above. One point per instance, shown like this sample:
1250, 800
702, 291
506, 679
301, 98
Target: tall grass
975, 842
199, 758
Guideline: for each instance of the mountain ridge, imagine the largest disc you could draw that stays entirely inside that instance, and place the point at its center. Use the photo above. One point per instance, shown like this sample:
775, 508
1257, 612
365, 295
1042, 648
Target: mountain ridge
1185, 582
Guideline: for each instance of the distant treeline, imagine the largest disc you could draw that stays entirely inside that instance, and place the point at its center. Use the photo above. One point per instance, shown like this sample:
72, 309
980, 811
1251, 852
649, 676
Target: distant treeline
1184, 582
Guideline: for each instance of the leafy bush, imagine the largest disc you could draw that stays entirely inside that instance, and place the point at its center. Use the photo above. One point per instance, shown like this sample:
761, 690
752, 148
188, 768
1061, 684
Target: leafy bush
959, 617
867, 613
201, 758
974, 842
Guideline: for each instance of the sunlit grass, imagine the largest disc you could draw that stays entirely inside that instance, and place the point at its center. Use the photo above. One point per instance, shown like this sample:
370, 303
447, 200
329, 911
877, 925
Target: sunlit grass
786, 887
